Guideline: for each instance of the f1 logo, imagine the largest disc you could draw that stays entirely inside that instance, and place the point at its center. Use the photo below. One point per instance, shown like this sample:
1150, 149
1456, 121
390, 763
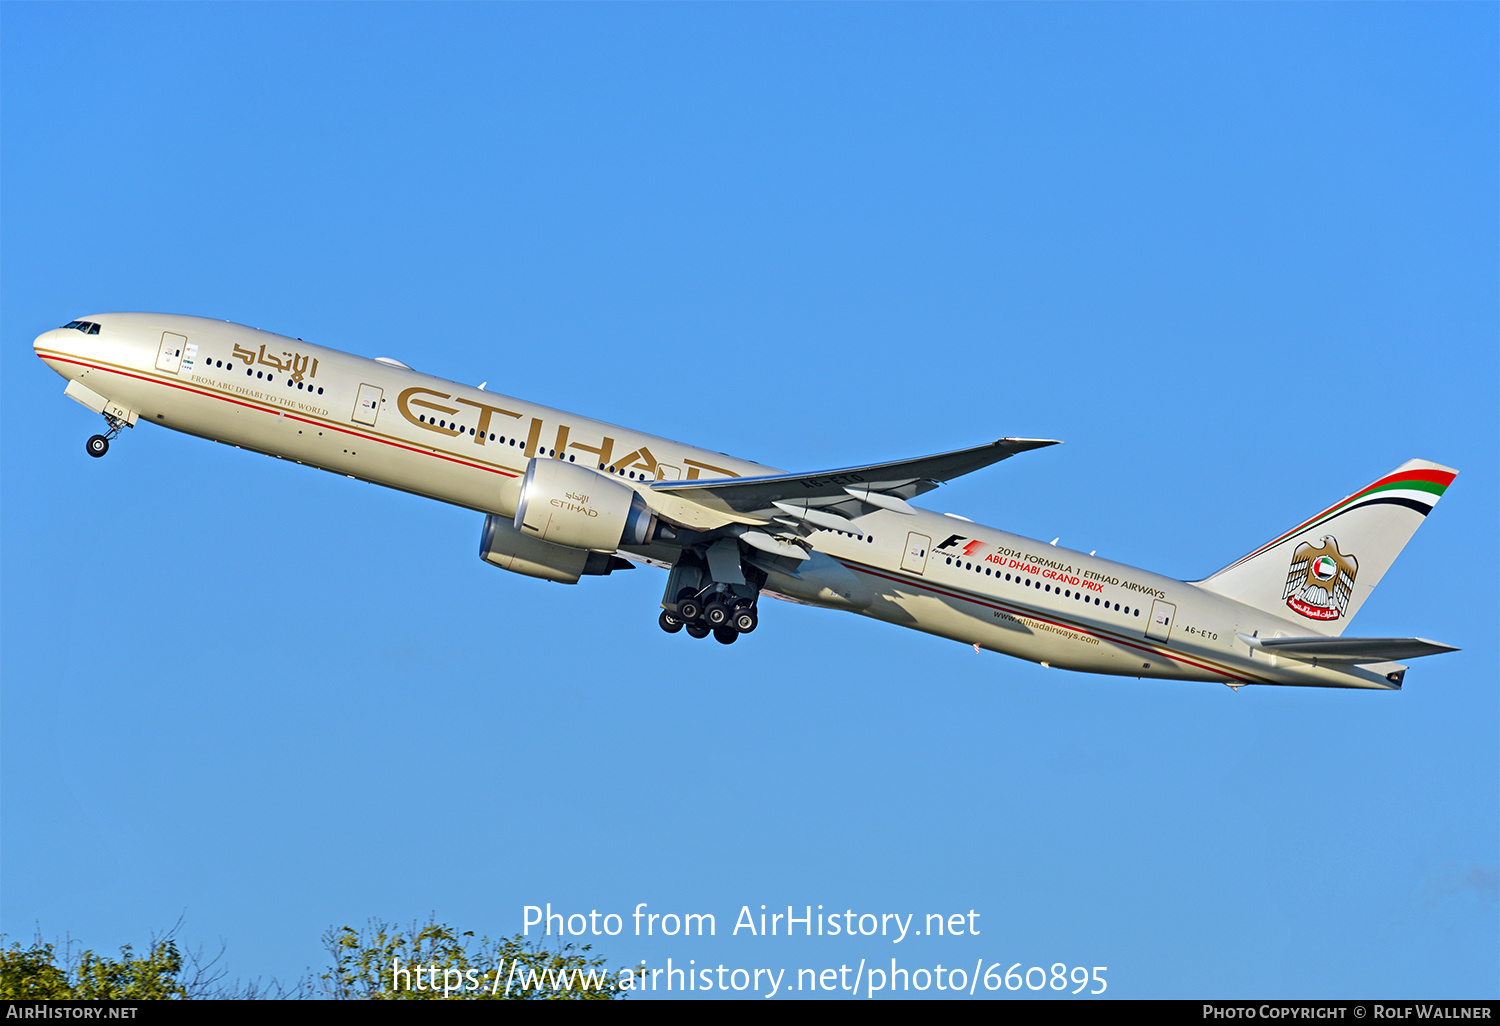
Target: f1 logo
954, 539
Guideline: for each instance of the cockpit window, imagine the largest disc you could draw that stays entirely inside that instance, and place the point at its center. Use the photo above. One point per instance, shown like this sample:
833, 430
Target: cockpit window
87, 327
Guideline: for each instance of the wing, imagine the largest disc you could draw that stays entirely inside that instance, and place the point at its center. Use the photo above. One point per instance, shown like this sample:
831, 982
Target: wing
791, 506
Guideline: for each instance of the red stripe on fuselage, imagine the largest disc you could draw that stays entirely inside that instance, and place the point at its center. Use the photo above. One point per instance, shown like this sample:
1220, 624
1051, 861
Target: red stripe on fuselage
1018, 611
262, 408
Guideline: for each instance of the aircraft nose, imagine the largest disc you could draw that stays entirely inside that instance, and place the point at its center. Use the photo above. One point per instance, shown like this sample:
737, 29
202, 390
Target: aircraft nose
48, 346
58, 339
50, 343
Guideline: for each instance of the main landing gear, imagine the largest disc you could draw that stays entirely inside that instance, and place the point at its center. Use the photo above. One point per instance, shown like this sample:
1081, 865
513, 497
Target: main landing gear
98, 445
712, 594
726, 623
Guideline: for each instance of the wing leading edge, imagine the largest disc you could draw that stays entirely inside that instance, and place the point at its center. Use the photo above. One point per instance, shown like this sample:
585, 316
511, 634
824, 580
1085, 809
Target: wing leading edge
831, 499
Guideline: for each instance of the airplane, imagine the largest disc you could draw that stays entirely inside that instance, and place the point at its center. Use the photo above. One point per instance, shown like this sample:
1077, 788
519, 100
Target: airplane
566, 497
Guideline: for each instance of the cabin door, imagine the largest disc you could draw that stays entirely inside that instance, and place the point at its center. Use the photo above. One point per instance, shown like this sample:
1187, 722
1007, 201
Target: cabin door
367, 404
169, 356
915, 557
1162, 615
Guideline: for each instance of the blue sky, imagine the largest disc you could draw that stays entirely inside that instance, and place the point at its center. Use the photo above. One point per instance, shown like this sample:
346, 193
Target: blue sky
1241, 258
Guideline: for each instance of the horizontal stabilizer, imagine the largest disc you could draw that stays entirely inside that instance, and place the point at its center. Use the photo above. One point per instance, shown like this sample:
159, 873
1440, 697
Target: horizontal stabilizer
1348, 650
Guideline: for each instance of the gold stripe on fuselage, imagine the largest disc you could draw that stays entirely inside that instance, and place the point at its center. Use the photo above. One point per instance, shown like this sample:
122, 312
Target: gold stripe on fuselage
199, 387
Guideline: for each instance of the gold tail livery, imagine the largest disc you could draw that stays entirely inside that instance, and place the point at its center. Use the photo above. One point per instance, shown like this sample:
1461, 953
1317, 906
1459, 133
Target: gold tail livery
566, 497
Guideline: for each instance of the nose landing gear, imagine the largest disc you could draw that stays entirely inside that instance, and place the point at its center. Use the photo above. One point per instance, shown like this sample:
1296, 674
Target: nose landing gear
98, 445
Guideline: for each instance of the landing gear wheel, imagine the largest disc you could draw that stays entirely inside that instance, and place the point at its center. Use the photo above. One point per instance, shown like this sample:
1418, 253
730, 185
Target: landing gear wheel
726, 635
98, 445
689, 609
669, 623
744, 620
716, 615
697, 630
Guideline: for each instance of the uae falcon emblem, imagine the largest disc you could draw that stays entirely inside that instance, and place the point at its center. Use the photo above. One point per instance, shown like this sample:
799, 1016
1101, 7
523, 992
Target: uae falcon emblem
1320, 580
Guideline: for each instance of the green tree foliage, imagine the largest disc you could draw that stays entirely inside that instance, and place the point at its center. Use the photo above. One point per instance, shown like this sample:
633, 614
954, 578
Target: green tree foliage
32, 974
423, 962
153, 978
433, 962
36, 973
164, 973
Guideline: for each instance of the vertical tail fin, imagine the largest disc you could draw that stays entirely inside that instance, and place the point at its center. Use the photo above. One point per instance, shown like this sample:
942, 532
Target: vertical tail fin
1321, 571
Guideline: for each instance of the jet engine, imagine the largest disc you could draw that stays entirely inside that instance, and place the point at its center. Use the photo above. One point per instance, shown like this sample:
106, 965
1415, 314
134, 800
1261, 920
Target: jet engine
502, 545
565, 504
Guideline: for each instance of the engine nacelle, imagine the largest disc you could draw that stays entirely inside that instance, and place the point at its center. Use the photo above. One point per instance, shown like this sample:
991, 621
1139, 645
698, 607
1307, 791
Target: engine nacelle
502, 545
565, 504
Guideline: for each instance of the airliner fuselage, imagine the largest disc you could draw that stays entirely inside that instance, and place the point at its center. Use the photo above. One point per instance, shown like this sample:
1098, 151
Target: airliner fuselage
553, 484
